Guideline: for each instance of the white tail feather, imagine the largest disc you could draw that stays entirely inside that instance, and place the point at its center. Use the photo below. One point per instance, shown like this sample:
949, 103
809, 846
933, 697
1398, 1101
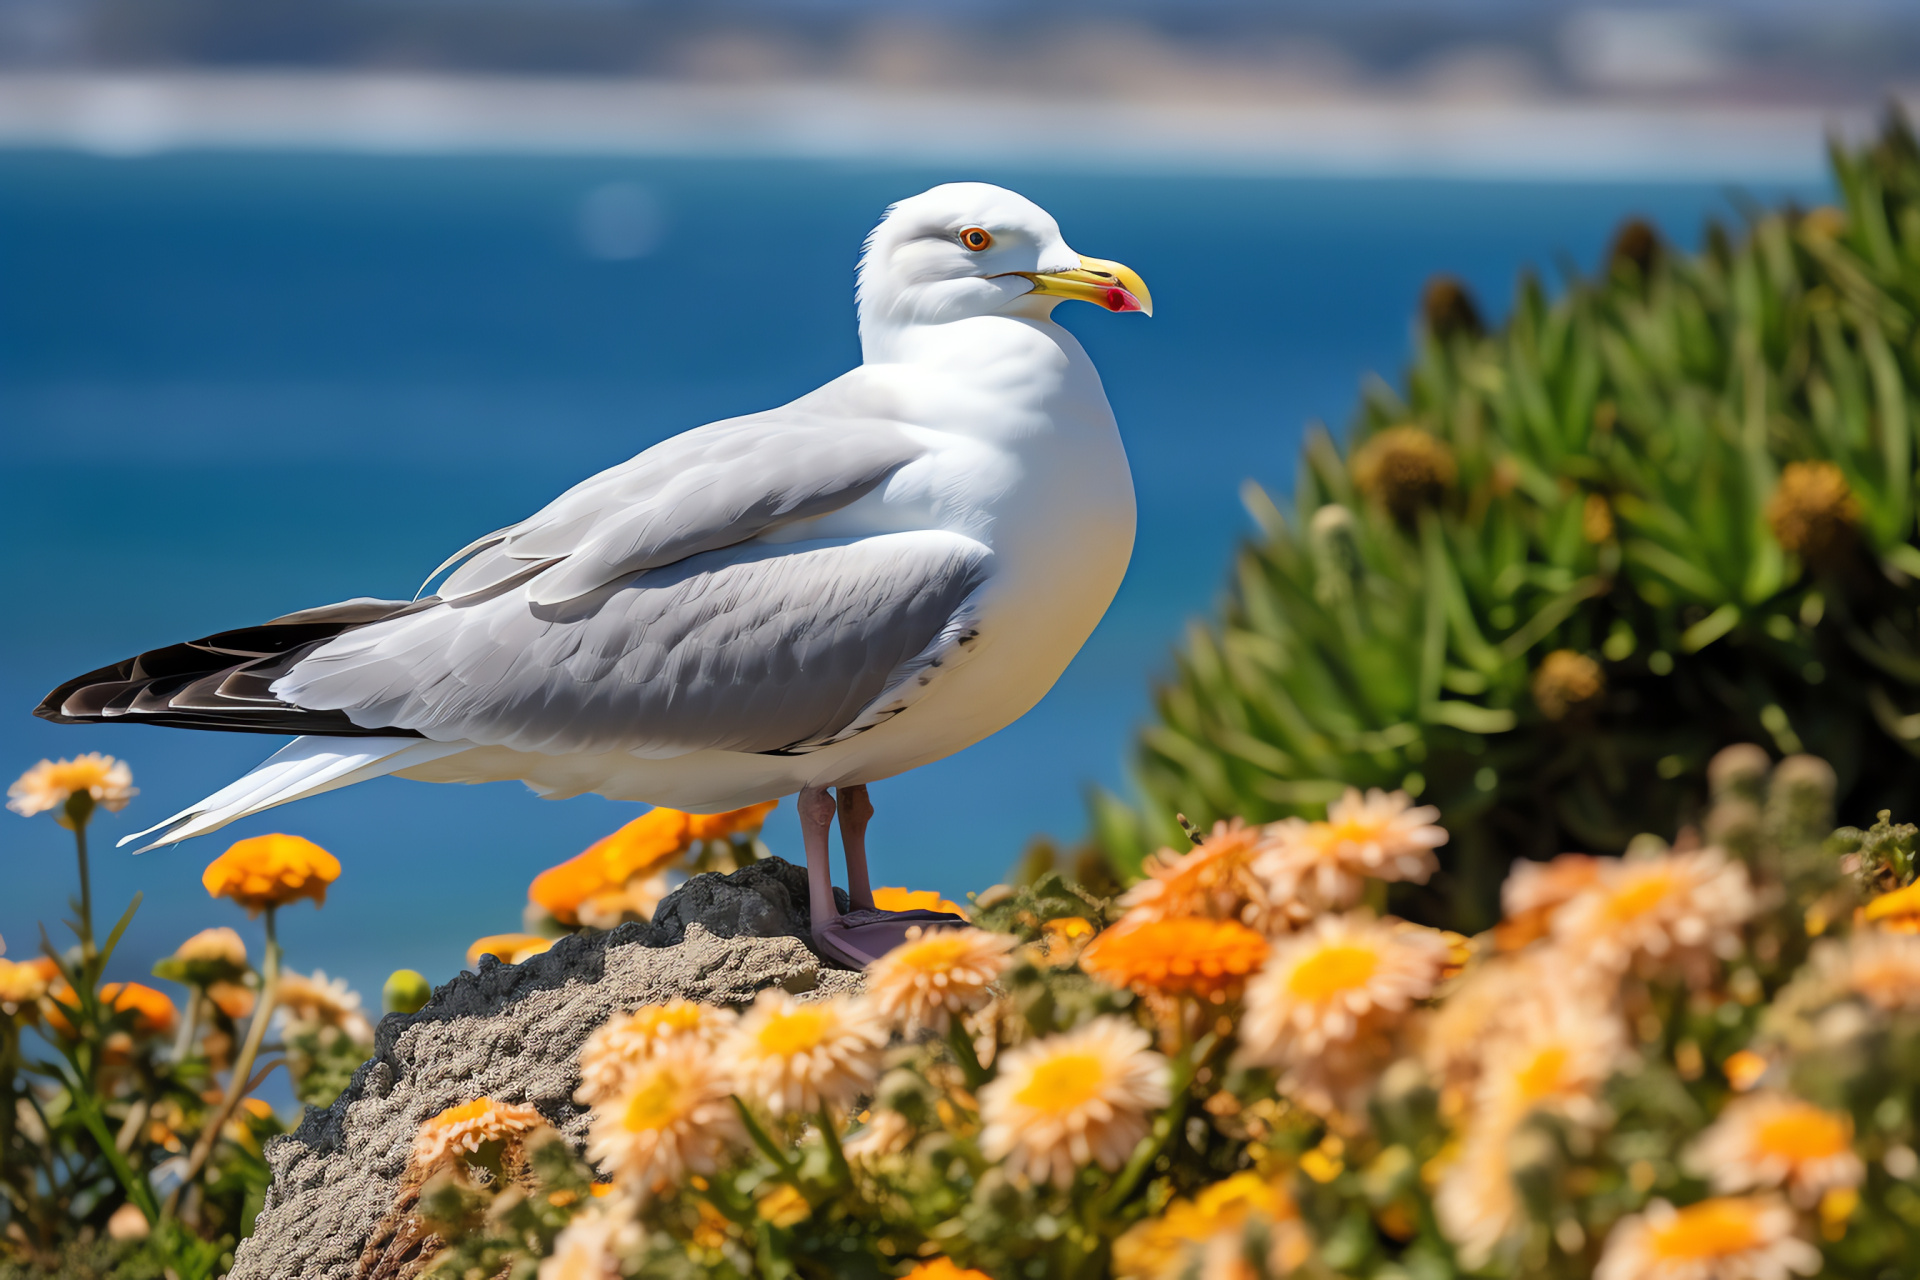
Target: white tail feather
304, 767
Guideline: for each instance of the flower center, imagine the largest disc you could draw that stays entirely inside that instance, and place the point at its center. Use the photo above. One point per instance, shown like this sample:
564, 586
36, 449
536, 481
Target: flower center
1640, 897
1332, 970
938, 953
1804, 1133
1544, 1075
797, 1032
1065, 1082
655, 1104
1710, 1229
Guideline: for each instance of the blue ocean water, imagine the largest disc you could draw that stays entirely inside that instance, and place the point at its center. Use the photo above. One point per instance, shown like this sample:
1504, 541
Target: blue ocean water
234, 385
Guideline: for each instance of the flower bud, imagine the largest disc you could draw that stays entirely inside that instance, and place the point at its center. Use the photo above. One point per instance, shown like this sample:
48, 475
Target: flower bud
405, 992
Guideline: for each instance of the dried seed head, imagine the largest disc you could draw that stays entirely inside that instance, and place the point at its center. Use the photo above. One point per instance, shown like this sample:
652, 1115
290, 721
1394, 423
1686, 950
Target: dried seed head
1814, 513
1567, 681
1405, 469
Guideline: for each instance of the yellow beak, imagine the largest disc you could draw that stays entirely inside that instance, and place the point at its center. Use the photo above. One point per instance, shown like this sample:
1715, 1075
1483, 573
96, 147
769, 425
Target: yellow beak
1105, 284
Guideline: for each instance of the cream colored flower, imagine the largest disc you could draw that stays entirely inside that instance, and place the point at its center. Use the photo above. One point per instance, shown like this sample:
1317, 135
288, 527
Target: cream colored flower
1453, 1037
1216, 879
674, 1118
928, 979
1065, 1101
219, 945
1313, 867
794, 1057
1770, 1139
1679, 909
1731, 1238
1321, 984
1535, 891
320, 1001
619, 1045
21, 983
1475, 1201
49, 784
886, 1133
1553, 1052
1881, 968
598, 1244
468, 1127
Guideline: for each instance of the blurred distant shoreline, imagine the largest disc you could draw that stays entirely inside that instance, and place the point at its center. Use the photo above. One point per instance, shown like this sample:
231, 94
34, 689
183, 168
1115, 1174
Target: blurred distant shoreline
135, 113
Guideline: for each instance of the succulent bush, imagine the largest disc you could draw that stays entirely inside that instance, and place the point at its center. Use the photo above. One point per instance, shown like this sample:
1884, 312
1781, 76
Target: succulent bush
1572, 557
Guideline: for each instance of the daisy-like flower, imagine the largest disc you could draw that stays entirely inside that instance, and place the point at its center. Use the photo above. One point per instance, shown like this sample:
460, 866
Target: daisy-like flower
1896, 912
596, 1245
21, 984
916, 900
625, 1041
316, 1000
795, 1057
1068, 1100
1183, 955
1676, 908
1475, 1201
1213, 1222
508, 948
1216, 880
210, 956
1534, 891
1312, 867
885, 1133
1769, 1139
1321, 984
928, 979
1554, 1053
1453, 1036
466, 1128
1730, 1238
271, 871
1881, 968
674, 1118
51, 783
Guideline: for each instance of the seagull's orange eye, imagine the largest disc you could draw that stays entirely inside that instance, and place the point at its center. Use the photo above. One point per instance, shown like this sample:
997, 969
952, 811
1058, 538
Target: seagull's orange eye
975, 238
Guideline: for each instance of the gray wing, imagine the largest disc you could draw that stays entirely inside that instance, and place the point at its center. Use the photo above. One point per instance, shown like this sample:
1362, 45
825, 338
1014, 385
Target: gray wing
711, 487
759, 647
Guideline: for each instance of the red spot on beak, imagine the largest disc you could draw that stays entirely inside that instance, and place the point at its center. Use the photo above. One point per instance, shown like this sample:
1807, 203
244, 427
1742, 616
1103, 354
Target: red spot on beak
1119, 299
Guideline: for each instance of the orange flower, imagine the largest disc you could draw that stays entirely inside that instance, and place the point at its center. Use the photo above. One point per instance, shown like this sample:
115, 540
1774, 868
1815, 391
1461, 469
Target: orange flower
271, 871
646, 845
916, 900
1896, 912
1184, 955
943, 1269
20, 985
508, 948
153, 1013
718, 826
1215, 879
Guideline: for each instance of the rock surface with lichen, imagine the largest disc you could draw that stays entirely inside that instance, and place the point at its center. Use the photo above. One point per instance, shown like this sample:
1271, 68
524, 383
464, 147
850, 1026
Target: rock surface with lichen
512, 1033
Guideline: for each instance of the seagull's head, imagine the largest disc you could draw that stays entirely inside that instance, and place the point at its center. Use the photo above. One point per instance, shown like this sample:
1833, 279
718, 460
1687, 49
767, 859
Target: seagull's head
966, 249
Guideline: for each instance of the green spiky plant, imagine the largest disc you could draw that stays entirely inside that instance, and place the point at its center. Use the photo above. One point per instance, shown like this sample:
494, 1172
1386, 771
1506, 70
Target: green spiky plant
1669, 510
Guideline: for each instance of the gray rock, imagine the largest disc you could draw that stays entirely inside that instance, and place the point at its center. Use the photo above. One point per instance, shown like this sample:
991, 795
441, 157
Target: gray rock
512, 1033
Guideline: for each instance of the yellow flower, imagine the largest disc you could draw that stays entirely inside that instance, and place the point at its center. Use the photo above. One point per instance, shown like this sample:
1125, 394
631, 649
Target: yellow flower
1896, 912
51, 783
271, 871
795, 1057
674, 1118
783, 1207
1216, 879
508, 948
1731, 1238
596, 1244
1311, 867
1744, 1069
1678, 909
916, 900
1320, 985
320, 1001
468, 1127
943, 1269
927, 979
625, 1041
1068, 1100
21, 983
1213, 1222
1189, 955
1768, 1140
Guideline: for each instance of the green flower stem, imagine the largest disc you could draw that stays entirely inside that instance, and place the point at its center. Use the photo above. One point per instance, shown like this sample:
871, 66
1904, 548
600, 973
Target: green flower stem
79, 811
837, 1157
962, 1045
87, 1107
241, 1076
1163, 1128
767, 1146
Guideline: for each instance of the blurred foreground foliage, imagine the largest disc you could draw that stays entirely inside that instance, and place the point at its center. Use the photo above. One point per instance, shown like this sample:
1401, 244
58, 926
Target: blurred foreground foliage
1572, 557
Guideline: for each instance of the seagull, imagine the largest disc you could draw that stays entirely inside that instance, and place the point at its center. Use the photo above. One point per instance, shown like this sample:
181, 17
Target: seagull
801, 601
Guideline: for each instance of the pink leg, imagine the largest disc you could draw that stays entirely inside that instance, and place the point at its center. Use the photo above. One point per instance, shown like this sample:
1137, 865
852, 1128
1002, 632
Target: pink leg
816, 820
855, 810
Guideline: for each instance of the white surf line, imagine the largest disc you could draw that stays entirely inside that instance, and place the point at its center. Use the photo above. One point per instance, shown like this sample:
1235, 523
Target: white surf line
134, 114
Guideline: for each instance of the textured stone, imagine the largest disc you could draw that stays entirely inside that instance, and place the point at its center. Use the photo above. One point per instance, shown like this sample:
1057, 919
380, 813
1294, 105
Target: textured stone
513, 1032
